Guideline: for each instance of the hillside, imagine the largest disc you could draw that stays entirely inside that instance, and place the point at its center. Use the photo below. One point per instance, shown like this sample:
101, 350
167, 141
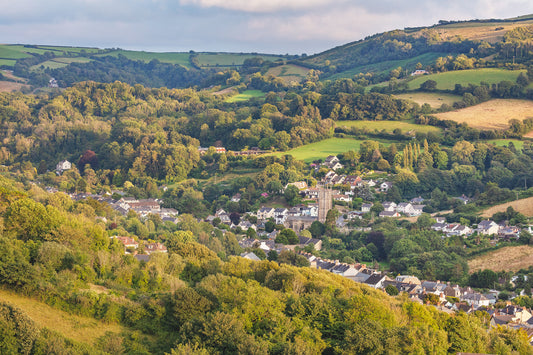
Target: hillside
524, 206
504, 259
405, 48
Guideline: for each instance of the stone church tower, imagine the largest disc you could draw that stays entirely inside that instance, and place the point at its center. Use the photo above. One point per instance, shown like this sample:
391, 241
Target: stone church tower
325, 203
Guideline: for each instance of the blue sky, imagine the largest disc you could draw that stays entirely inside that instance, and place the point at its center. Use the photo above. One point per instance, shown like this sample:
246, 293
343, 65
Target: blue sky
265, 26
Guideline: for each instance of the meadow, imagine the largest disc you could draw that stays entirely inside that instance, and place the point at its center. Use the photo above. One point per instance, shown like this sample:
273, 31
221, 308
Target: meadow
493, 114
447, 80
245, 96
230, 59
181, 58
388, 126
524, 206
433, 99
60, 62
324, 148
505, 142
504, 259
289, 72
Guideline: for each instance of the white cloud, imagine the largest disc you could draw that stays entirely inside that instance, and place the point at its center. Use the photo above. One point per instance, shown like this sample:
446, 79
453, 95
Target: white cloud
259, 6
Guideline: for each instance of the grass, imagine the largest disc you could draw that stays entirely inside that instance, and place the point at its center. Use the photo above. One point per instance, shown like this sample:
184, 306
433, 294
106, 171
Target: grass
180, 58
230, 59
81, 329
388, 126
289, 72
69, 49
245, 96
7, 62
504, 259
524, 206
447, 80
386, 66
435, 100
493, 114
505, 142
69, 60
51, 64
324, 148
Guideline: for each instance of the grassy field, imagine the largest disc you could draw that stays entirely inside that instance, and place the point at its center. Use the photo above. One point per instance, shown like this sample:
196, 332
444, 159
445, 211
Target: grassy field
386, 66
60, 62
524, 206
230, 59
69, 60
180, 58
289, 72
435, 100
81, 329
388, 126
505, 142
9, 86
493, 114
447, 80
504, 259
8, 62
69, 49
320, 150
490, 32
246, 95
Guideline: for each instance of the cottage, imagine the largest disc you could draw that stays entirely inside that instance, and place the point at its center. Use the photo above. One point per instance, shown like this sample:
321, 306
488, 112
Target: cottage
389, 206
387, 214
265, 213
487, 227
376, 280
62, 166
385, 186
365, 207
250, 256
154, 247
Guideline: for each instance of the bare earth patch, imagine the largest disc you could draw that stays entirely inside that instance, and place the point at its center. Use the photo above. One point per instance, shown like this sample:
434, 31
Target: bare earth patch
508, 259
9, 86
524, 206
493, 114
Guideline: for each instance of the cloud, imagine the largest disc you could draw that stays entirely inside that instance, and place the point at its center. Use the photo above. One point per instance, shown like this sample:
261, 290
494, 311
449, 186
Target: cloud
261, 6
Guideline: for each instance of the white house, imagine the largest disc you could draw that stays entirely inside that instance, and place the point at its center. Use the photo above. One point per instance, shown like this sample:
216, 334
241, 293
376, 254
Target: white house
389, 206
265, 213
385, 186
63, 165
488, 227
365, 207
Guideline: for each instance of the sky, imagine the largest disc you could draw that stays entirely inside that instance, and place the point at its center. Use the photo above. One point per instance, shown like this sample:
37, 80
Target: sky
262, 26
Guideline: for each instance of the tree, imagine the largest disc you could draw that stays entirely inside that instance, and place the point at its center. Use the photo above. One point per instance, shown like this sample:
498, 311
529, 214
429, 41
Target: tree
292, 195
235, 218
287, 236
392, 290
428, 85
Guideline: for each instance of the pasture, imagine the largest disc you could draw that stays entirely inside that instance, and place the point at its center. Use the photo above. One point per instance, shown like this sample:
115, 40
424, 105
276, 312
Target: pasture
180, 58
505, 142
388, 126
524, 206
433, 99
447, 80
324, 148
289, 72
490, 32
245, 96
493, 114
230, 59
60, 62
504, 259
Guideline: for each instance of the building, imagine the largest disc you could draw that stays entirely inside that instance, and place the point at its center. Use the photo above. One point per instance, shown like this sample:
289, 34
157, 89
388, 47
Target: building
488, 227
325, 203
62, 166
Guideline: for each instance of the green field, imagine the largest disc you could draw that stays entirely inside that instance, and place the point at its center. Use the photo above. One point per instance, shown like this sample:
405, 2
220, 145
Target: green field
12, 52
7, 62
447, 80
388, 126
386, 66
69, 60
245, 96
180, 58
504, 142
322, 149
435, 100
289, 72
229, 59
70, 49
51, 64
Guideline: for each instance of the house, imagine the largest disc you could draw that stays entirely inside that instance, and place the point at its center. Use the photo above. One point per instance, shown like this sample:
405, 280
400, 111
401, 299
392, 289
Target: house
417, 200
344, 270
419, 72
463, 198
376, 280
154, 247
342, 198
409, 279
389, 206
280, 215
353, 181
476, 299
311, 193
463, 230
365, 207
385, 186
487, 227
417, 210
52, 83
265, 213
509, 232
333, 163
128, 242
250, 256
404, 207
316, 243
438, 226
62, 166
236, 197
387, 214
